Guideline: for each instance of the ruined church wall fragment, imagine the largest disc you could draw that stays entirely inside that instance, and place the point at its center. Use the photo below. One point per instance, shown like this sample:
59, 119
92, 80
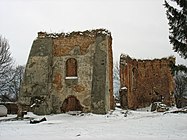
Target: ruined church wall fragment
147, 81
69, 72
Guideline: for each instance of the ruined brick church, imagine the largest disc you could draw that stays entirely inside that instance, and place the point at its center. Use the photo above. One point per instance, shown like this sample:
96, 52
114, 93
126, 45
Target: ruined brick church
146, 81
69, 72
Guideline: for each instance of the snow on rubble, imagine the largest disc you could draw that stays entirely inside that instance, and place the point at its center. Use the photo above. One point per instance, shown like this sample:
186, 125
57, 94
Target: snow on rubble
118, 124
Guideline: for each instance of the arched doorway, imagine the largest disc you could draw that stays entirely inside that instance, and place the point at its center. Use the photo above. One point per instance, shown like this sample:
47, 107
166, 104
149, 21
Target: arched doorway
71, 104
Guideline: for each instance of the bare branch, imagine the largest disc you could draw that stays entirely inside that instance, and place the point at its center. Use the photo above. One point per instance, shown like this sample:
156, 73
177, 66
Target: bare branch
6, 62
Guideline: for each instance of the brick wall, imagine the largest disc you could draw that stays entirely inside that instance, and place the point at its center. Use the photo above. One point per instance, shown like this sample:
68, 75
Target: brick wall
147, 81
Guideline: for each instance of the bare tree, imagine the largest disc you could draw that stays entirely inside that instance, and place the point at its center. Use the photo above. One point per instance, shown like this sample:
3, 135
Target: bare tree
180, 88
12, 86
116, 78
180, 84
6, 62
16, 77
116, 71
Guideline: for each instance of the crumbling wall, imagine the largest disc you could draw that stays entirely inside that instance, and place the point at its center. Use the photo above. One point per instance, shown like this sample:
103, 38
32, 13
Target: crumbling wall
37, 78
92, 86
78, 65
147, 81
79, 47
110, 73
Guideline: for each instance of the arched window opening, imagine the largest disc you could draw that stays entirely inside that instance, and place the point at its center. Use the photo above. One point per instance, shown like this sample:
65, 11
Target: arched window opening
71, 67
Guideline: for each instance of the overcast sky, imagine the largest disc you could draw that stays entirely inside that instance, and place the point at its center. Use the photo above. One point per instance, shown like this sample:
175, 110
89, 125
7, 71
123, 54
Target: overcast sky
139, 27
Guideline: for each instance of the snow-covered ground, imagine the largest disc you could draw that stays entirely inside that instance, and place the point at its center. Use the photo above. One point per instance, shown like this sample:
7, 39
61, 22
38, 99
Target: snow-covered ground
137, 125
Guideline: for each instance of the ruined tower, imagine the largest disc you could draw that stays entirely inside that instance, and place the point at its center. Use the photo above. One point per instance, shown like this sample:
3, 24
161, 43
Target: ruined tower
146, 81
69, 72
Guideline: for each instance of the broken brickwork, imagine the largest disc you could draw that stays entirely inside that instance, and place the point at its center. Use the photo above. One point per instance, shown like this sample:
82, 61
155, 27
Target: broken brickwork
147, 81
69, 72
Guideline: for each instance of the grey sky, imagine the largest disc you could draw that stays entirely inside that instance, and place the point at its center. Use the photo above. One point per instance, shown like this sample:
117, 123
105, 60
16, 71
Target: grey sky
139, 27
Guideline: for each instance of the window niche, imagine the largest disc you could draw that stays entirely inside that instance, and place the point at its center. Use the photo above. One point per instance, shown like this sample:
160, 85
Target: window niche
71, 71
